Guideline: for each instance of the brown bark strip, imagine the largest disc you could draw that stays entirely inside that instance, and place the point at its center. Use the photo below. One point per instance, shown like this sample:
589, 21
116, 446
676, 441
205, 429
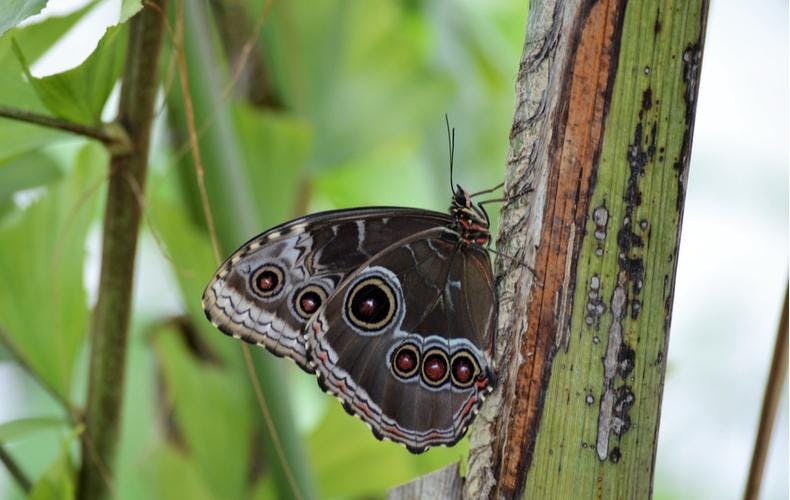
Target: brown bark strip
572, 154
563, 156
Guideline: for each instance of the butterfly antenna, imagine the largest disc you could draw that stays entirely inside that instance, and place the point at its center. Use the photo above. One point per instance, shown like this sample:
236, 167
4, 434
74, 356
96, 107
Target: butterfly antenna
451, 146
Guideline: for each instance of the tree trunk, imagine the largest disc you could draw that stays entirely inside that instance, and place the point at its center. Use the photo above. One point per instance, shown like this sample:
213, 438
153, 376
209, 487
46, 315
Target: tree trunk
605, 101
606, 95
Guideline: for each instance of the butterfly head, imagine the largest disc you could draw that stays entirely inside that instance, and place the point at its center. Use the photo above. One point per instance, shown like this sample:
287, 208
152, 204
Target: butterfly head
471, 220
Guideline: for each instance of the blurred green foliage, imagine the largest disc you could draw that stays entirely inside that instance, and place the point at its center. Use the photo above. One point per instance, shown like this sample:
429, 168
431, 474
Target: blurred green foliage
361, 91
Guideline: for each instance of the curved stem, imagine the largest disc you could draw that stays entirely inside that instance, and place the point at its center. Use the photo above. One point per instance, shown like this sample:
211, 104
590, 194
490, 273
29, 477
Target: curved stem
102, 134
22, 361
109, 331
773, 393
16, 472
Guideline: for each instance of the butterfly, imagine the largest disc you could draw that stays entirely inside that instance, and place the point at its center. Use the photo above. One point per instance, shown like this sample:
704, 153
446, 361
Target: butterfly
393, 309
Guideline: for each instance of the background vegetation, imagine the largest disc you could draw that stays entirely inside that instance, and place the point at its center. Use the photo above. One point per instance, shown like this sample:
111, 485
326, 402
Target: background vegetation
335, 104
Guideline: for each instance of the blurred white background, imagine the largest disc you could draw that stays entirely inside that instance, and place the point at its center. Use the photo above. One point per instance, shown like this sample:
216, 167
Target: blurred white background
733, 262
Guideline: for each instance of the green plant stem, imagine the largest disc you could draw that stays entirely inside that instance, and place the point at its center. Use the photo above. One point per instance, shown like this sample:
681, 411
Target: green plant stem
109, 331
22, 361
101, 134
16, 472
773, 393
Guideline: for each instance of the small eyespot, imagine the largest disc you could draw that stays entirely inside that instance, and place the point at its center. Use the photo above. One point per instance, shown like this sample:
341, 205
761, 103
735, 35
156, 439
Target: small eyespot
371, 304
435, 367
406, 360
308, 300
464, 369
267, 281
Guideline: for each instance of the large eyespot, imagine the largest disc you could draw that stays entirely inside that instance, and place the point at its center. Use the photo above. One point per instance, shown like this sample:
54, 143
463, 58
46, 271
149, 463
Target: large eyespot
267, 281
308, 300
464, 369
406, 360
435, 367
371, 304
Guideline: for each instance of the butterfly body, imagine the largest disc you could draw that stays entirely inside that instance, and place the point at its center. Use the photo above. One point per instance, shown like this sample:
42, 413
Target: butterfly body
392, 308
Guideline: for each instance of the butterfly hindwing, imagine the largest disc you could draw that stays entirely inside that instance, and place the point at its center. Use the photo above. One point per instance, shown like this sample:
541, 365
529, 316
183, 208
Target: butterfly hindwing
405, 340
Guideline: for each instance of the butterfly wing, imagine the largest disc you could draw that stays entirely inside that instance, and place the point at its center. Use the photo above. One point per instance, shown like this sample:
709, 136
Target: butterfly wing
405, 340
267, 290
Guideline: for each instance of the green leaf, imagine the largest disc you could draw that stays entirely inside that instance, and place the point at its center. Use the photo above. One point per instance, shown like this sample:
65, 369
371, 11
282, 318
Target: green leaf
170, 475
211, 414
9, 431
361, 466
27, 171
39, 37
188, 250
79, 94
276, 149
17, 137
129, 8
391, 175
13, 12
57, 483
43, 308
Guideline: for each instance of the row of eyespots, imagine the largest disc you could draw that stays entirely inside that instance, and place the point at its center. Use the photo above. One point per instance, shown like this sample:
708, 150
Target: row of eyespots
371, 304
435, 366
269, 280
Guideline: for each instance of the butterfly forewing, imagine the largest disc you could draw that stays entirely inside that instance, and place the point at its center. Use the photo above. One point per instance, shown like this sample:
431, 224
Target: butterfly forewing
266, 291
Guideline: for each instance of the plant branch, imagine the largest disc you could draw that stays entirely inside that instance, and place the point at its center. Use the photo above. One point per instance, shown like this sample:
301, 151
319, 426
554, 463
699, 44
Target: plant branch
8, 344
16, 472
109, 330
110, 136
773, 392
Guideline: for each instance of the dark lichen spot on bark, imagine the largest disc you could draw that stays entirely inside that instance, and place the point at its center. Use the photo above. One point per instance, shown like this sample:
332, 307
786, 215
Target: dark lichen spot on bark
624, 400
595, 304
635, 270
657, 23
600, 217
626, 238
640, 152
637, 159
647, 102
636, 308
692, 59
626, 358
